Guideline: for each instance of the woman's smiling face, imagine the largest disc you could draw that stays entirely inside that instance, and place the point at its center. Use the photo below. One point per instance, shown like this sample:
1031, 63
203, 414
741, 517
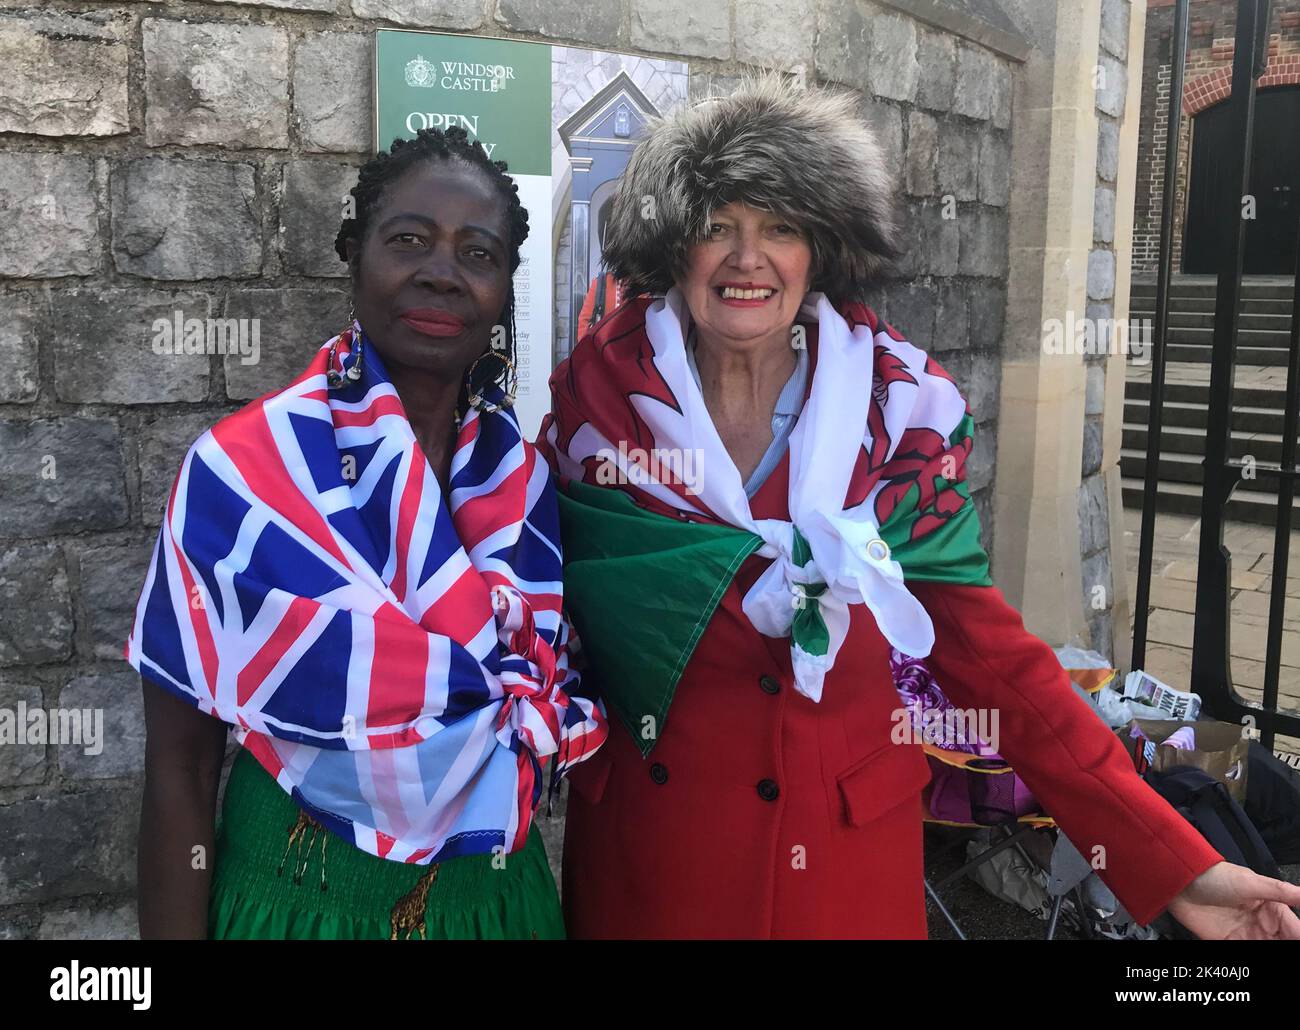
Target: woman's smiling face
431, 276
746, 280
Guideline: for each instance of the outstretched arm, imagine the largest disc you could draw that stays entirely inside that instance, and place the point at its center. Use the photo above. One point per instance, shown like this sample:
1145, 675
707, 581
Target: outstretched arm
984, 658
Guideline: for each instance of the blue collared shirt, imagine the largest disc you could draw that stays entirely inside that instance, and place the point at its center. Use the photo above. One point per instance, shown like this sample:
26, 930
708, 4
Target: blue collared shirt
784, 416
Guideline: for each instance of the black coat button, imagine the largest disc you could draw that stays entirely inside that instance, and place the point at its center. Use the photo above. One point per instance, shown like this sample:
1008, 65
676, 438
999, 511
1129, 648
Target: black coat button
658, 773
768, 790
770, 684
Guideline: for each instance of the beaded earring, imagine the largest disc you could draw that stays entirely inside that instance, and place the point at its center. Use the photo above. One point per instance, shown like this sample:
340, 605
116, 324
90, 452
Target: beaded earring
334, 377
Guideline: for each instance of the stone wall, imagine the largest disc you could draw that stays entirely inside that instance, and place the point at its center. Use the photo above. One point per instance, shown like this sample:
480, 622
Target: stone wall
1112, 88
191, 157
942, 106
1212, 28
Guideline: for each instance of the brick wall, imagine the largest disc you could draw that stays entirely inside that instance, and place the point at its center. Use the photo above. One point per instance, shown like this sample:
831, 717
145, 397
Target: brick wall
191, 157
1206, 81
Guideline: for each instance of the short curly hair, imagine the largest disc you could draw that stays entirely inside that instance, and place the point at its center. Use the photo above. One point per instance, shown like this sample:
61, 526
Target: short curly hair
450, 144
806, 153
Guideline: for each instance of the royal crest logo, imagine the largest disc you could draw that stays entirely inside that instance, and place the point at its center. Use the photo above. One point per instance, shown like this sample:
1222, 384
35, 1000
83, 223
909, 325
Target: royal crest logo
420, 72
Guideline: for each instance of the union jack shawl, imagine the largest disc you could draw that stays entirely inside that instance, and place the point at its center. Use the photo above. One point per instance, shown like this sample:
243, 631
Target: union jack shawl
396, 658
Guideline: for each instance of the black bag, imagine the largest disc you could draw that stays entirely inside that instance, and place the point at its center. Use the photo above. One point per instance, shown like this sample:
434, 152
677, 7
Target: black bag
1273, 802
1204, 802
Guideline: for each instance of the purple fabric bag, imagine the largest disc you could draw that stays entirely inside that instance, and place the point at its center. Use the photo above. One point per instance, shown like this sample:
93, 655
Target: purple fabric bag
981, 790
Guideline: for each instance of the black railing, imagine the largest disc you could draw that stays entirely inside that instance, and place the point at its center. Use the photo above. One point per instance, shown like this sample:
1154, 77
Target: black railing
1155, 404
1211, 646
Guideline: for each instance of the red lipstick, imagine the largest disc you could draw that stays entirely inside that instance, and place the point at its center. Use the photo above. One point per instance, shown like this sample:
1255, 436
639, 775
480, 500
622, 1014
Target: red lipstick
433, 321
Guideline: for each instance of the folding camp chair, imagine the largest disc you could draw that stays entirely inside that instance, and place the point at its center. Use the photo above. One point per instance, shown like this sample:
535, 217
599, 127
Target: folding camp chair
993, 804
1011, 835
1009, 830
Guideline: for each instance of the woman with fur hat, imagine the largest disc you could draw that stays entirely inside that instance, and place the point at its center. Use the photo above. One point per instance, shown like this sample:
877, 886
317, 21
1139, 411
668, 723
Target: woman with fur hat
763, 495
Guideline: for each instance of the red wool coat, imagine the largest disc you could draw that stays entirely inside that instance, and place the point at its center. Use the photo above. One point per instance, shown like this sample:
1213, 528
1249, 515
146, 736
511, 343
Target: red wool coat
761, 814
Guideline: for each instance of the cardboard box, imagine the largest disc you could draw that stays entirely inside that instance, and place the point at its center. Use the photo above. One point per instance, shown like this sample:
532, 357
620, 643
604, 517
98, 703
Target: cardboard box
1220, 750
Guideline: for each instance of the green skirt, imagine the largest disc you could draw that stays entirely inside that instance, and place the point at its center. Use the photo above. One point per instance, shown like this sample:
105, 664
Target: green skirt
330, 889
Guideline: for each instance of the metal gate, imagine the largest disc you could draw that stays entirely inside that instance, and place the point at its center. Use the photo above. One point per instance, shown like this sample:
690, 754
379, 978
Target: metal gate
1211, 663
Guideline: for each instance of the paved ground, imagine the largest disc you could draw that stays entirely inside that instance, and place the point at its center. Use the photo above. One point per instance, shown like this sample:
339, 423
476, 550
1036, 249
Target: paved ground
1258, 377
1173, 602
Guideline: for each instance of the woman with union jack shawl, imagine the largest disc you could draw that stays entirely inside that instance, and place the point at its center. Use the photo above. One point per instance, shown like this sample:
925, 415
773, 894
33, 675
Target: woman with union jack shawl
359, 574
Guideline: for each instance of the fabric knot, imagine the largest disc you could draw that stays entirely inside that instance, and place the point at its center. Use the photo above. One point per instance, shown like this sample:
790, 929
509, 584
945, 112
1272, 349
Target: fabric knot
511, 611
795, 598
528, 713
807, 629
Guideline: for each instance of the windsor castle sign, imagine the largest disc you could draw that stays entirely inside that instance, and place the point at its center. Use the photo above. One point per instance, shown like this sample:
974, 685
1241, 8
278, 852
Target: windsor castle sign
462, 76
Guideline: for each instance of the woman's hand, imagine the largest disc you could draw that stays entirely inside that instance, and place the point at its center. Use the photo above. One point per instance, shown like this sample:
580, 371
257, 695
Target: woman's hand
1230, 902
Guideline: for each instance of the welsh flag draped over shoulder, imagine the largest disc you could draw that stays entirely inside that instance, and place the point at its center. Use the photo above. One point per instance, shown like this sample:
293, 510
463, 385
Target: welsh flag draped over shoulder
656, 523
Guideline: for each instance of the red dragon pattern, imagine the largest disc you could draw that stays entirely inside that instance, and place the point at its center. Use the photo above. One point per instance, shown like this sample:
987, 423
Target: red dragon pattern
613, 362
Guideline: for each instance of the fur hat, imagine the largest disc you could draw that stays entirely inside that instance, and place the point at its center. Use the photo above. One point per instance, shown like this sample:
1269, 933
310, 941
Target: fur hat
806, 154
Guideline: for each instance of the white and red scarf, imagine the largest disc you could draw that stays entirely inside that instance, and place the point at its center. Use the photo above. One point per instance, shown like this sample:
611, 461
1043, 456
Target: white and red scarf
877, 490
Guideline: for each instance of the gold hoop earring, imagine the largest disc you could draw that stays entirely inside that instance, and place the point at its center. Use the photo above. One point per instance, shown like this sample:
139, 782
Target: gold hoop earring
476, 398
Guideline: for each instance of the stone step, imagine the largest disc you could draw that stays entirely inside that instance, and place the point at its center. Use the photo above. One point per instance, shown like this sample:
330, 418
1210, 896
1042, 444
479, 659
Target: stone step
1186, 468
1279, 338
1199, 393
1278, 288
1200, 353
1145, 307
1277, 322
1182, 415
1176, 439
1185, 499
1256, 430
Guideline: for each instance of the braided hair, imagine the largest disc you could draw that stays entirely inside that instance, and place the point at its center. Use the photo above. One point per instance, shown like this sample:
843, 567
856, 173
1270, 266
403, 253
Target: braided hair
450, 144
